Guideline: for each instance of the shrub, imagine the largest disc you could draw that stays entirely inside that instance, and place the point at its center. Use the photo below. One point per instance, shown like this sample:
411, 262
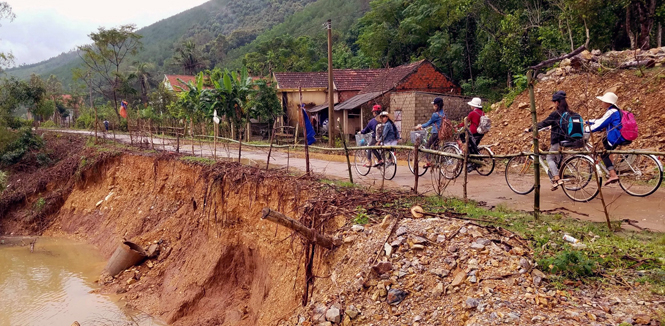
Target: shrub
49, 124
3, 180
14, 151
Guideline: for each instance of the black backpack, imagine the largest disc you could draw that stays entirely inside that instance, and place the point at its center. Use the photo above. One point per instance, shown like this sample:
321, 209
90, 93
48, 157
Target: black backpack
572, 125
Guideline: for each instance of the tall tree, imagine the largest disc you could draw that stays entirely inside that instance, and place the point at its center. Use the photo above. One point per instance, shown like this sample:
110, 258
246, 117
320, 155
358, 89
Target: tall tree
6, 59
142, 71
190, 58
104, 58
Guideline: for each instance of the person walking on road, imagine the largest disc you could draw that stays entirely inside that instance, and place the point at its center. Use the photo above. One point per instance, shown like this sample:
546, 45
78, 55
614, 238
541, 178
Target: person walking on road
435, 121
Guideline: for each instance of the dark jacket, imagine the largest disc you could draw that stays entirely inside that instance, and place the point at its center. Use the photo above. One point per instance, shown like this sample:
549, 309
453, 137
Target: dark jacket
554, 120
371, 126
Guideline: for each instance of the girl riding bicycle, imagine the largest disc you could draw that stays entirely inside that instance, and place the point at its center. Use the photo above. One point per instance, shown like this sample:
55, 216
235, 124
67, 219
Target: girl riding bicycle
435, 121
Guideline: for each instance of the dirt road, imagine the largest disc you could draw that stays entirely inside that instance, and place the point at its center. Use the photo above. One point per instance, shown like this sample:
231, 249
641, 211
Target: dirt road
649, 211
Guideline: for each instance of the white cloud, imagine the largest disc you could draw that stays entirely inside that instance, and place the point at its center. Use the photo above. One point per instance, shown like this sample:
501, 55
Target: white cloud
46, 28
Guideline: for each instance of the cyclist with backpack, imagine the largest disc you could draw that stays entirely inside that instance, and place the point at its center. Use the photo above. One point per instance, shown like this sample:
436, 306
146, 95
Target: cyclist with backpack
439, 124
621, 130
371, 128
474, 118
567, 131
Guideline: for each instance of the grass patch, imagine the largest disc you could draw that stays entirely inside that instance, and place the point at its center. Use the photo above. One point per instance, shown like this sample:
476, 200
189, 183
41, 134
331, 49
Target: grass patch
39, 204
199, 160
339, 183
607, 253
361, 217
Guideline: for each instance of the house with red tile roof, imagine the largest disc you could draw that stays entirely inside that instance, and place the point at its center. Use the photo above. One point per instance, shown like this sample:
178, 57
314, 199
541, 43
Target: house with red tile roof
311, 88
172, 82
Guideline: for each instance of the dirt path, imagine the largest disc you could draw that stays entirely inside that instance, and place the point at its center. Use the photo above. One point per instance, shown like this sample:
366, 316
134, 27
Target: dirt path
649, 211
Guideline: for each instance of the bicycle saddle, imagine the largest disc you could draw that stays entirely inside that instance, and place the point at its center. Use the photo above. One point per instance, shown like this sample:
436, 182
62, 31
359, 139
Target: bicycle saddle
571, 143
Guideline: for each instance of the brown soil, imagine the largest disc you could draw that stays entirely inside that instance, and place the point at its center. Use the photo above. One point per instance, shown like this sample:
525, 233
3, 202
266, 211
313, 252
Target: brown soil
644, 96
220, 264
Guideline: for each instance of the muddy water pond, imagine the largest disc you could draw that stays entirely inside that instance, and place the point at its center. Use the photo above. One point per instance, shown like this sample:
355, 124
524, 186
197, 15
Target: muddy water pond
54, 285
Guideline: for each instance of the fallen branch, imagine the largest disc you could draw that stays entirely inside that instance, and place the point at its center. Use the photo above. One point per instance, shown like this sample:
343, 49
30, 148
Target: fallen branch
307, 233
563, 209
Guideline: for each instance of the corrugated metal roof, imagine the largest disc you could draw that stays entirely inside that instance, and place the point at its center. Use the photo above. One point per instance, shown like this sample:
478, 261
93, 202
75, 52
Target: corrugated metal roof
357, 101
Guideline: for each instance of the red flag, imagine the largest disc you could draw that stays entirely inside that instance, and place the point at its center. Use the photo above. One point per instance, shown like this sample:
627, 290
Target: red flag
123, 109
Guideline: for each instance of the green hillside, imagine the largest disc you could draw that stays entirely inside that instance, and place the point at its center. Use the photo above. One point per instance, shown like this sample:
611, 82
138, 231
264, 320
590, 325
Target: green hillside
239, 21
343, 13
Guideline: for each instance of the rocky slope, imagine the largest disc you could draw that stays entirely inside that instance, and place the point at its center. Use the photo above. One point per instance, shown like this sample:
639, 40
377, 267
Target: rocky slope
583, 78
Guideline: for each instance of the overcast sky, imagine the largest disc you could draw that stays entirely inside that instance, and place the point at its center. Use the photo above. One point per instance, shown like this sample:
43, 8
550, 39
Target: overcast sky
45, 28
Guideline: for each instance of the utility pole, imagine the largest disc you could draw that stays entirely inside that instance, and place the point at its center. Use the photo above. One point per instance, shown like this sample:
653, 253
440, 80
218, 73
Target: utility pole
331, 94
91, 105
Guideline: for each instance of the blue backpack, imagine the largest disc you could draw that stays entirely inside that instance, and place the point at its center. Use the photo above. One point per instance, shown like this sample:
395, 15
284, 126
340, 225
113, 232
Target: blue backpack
572, 125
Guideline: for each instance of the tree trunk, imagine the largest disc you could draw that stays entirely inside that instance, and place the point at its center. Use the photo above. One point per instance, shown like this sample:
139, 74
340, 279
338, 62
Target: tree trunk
307, 233
629, 31
659, 35
646, 11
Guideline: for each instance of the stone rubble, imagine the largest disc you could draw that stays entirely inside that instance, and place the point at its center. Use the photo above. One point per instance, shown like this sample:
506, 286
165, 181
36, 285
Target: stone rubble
465, 275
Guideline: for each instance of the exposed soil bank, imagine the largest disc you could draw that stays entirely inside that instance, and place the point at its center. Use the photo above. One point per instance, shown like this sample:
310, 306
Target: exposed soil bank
220, 264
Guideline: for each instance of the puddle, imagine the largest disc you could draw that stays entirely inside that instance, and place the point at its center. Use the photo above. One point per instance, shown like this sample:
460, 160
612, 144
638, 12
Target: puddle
52, 285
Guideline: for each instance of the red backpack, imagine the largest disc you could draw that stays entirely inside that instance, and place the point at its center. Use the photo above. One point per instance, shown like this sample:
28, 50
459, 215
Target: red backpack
628, 126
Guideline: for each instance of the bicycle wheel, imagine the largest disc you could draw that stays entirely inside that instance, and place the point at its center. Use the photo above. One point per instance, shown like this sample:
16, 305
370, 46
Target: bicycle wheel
519, 174
450, 167
639, 175
421, 169
486, 167
579, 182
360, 160
389, 165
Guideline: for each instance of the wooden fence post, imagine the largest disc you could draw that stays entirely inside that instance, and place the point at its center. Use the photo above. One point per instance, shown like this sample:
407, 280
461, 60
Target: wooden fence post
416, 145
536, 149
348, 161
272, 137
466, 156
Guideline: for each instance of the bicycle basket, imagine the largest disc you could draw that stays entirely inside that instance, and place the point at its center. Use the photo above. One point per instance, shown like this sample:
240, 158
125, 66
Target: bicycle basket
418, 134
363, 139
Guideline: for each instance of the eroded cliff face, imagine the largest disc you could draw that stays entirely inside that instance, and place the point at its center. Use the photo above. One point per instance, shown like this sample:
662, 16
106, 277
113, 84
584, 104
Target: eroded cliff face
219, 263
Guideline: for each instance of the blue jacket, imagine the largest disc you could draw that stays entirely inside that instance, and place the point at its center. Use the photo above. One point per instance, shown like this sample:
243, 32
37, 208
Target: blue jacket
611, 122
389, 132
435, 121
371, 126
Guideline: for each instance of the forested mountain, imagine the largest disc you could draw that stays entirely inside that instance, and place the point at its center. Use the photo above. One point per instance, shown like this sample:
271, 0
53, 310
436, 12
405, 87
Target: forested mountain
484, 45
239, 22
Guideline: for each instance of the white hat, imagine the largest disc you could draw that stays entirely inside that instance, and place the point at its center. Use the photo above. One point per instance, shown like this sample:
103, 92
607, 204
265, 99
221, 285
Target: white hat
609, 97
383, 113
476, 102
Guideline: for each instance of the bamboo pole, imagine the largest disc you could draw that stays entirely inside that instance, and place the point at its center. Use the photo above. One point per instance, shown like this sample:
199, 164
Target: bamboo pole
346, 151
415, 164
600, 188
272, 138
466, 157
216, 133
536, 149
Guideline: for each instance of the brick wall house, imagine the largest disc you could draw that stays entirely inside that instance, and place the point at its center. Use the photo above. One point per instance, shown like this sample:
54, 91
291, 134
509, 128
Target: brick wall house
416, 108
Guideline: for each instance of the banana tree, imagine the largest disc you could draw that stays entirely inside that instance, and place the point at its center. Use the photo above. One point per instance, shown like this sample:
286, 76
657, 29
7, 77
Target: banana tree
237, 90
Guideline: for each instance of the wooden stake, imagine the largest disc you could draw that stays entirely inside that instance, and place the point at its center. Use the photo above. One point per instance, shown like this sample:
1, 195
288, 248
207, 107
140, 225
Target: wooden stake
600, 187
215, 132
536, 149
466, 157
307, 233
272, 138
415, 164
346, 150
